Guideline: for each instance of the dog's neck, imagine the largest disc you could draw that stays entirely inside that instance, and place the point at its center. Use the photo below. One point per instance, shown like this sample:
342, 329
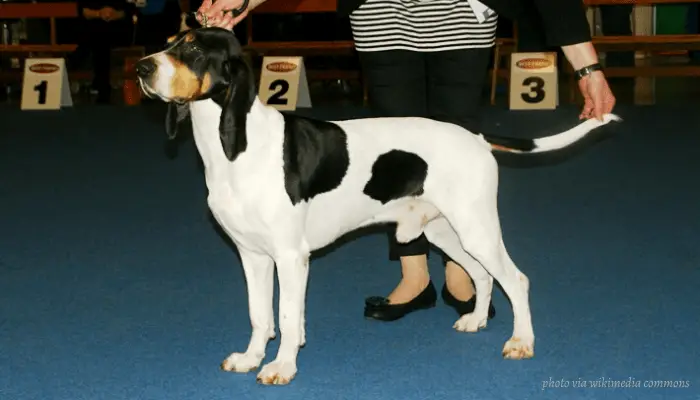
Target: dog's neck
206, 114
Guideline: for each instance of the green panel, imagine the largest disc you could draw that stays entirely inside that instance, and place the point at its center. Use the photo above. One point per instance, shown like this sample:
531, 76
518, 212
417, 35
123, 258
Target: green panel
671, 19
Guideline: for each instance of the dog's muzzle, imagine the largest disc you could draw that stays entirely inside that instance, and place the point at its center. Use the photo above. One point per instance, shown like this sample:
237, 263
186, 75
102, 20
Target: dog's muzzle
145, 68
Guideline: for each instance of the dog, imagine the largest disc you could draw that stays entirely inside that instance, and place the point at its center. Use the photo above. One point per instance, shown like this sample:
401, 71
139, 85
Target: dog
282, 186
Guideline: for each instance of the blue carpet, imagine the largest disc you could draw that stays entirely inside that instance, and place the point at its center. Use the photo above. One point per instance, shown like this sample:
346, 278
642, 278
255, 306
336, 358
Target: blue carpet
115, 285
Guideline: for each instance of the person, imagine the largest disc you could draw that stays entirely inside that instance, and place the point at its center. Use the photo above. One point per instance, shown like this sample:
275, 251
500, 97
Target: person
430, 58
105, 24
158, 20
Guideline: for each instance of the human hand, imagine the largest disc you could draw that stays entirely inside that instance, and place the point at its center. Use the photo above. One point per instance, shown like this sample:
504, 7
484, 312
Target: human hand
219, 14
598, 98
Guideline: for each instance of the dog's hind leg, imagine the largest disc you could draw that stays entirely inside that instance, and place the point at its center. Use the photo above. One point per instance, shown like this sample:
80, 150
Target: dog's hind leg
479, 232
440, 233
259, 273
292, 274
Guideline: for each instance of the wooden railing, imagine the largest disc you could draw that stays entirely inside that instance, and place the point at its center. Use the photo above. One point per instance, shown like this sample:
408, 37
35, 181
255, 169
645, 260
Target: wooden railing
52, 12
645, 43
302, 48
295, 47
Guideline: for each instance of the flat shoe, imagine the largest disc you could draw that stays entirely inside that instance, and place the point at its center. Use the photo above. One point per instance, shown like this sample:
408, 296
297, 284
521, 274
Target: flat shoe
463, 307
379, 308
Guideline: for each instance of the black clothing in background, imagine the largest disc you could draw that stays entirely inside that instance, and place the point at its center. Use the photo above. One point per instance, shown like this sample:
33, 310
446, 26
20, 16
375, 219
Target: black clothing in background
563, 21
97, 38
153, 30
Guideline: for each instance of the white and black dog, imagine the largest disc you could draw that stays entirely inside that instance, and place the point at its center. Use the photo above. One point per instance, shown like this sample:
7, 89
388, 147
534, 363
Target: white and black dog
282, 186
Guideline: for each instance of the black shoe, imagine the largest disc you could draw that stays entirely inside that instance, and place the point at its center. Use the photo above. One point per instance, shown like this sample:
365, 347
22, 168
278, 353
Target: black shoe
463, 307
379, 308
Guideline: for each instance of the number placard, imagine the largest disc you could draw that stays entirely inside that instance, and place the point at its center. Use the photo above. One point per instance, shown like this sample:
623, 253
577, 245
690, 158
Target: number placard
534, 81
45, 84
283, 83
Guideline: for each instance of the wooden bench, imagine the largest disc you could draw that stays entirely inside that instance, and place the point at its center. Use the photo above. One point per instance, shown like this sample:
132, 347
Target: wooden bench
503, 48
52, 12
645, 43
303, 48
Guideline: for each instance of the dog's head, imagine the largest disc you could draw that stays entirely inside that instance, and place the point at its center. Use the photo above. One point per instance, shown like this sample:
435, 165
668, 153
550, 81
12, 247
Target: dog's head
199, 64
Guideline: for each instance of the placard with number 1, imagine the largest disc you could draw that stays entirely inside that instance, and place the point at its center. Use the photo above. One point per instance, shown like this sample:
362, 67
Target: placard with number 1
45, 84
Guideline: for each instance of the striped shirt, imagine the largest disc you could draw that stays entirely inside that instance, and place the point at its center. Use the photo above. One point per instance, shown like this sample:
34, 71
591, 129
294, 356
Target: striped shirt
420, 25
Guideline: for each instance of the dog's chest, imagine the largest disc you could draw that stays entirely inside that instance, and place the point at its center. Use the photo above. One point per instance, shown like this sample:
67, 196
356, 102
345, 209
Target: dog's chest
237, 208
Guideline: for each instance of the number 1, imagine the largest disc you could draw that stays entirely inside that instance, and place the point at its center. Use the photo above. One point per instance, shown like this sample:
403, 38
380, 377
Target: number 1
41, 88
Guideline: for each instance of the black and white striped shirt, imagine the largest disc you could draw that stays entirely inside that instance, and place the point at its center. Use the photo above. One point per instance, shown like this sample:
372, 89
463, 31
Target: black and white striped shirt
420, 25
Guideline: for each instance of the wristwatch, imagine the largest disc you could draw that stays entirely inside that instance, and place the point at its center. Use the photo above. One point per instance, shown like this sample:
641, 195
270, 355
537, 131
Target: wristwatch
585, 71
238, 11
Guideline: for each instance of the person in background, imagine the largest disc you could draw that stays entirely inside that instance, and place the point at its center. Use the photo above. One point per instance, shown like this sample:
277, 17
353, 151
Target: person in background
158, 20
105, 24
429, 58
615, 21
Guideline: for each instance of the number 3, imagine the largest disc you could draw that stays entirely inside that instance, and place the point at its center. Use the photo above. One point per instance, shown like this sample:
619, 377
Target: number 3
280, 87
536, 93
41, 88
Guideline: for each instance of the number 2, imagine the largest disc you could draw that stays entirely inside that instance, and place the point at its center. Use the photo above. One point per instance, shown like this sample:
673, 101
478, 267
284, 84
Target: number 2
42, 89
536, 93
280, 87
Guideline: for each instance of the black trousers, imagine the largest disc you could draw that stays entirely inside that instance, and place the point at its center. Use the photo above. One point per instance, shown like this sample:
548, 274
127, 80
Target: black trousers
615, 21
445, 86
97, 38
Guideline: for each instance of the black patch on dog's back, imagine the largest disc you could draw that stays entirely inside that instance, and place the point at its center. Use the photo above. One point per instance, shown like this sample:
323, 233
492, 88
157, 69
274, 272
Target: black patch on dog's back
396, 174
315, 157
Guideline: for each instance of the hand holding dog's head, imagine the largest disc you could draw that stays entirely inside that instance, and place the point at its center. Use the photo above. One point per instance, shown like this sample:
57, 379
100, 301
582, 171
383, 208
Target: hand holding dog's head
199, 64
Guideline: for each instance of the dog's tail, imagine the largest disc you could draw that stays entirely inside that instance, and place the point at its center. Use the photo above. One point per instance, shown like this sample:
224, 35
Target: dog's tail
548, 143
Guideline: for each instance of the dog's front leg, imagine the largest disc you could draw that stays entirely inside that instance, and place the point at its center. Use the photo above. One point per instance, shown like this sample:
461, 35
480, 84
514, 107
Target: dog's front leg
259, 273
292, 273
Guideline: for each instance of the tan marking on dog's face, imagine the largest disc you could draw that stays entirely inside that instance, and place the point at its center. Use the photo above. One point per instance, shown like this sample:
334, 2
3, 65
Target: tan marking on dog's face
171, 39
189, 37
185, 84
206, 83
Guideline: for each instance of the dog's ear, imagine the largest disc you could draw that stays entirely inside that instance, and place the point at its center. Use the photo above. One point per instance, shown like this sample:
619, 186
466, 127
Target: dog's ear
174, 116
189, 21
239, 98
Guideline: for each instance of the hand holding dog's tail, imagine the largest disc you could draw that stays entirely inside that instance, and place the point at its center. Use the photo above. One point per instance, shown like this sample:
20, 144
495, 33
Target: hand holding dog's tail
549, 143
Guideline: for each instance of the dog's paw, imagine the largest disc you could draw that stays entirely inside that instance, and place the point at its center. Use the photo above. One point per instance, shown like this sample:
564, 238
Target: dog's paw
277, 373
241, 362
470, 323
518, 349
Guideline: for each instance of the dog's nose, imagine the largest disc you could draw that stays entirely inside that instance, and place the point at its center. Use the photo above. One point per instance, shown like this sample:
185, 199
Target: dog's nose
144, 68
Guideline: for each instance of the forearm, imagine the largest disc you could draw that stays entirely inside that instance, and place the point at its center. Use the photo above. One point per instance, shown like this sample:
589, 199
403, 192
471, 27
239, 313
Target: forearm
564, 23
580, 55
255, 3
